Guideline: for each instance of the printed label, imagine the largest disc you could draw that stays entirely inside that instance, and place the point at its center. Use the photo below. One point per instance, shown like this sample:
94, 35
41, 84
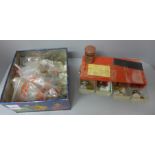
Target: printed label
14, 107
99, 70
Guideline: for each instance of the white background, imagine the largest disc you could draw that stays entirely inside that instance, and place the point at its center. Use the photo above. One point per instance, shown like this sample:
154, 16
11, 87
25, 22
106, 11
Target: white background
77, 20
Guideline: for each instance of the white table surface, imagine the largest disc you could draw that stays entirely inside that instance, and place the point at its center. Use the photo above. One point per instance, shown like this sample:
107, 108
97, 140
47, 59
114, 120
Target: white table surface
97, 105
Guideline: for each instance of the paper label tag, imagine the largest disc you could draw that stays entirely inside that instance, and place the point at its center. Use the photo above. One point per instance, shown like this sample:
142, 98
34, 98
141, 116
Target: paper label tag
14, 107
99, 70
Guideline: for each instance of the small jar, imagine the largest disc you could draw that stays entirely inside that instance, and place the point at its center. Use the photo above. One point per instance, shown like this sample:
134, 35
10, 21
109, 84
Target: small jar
90, 54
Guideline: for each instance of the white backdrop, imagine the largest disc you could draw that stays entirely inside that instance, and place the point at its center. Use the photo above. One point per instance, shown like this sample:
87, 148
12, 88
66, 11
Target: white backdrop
139, 49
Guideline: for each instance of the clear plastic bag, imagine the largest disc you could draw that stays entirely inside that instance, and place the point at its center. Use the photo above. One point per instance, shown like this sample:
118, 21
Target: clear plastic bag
26, 60
40, 79
26, 91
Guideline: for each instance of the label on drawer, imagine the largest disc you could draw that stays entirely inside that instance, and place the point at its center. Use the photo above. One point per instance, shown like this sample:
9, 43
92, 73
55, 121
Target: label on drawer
99, 70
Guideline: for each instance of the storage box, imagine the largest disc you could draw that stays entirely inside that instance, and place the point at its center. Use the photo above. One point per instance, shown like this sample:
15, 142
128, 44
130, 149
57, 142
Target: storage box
13, 99
122, 78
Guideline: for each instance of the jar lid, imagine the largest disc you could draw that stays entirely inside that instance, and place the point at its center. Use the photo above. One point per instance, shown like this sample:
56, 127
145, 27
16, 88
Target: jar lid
90, 50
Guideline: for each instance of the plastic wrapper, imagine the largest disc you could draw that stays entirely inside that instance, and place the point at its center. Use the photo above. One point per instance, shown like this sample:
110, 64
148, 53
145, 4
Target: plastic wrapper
39, 79
87, 86
26, 60
132, 92
103, 88
138, 95
26, 91
121, 91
